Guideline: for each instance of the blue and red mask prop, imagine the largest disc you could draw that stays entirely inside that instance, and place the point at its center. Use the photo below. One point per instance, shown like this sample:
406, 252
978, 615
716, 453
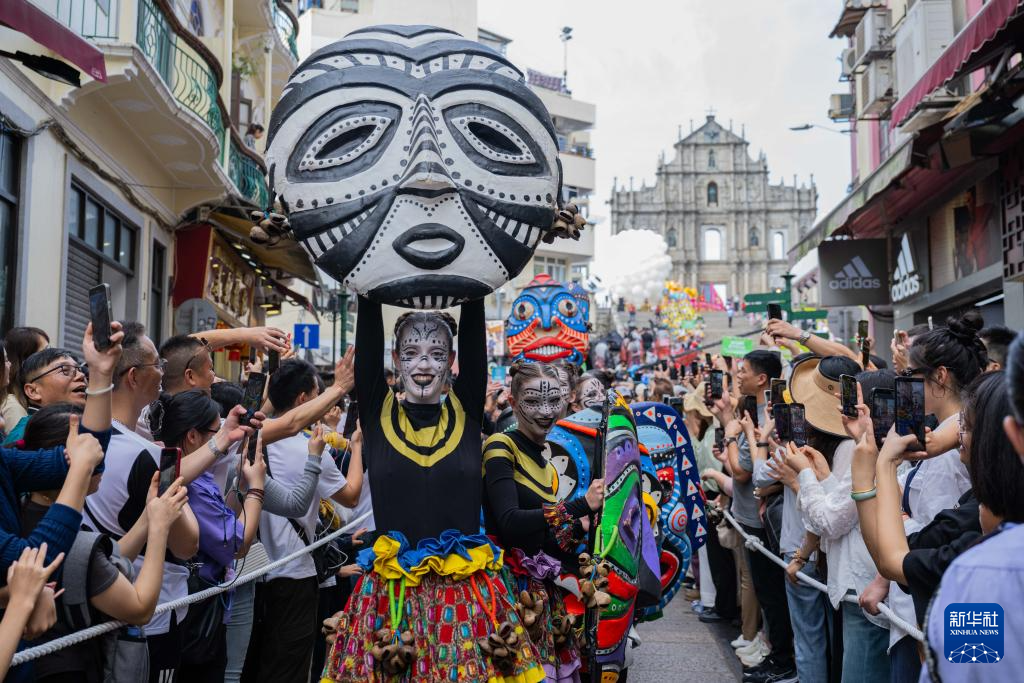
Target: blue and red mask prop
547, 324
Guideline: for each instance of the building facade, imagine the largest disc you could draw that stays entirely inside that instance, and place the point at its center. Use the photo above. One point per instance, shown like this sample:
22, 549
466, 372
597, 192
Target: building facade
931, 95
724, 222
142, 177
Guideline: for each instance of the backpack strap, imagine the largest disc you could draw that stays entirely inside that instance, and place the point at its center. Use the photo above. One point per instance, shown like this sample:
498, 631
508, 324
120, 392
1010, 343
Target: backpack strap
75, 599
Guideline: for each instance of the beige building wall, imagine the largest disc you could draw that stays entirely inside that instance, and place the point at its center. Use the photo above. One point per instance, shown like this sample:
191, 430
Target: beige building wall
145, 143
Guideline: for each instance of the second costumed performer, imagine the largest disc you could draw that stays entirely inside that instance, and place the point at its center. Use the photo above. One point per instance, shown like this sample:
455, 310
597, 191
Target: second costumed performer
540, 534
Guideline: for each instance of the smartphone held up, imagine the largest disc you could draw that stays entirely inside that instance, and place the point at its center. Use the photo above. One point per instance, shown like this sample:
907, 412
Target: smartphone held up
910, 409
170, 468
100, 315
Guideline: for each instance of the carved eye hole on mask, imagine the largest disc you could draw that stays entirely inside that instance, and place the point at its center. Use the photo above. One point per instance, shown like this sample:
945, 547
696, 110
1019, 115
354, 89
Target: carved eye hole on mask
524, 310
567, 308
494, 140
344, 142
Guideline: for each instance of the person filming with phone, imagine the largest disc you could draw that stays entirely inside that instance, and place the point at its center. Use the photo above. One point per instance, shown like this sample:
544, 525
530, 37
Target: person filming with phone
753, 377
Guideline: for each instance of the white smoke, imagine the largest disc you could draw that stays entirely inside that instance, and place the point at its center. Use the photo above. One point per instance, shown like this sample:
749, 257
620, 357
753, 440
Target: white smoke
633, 265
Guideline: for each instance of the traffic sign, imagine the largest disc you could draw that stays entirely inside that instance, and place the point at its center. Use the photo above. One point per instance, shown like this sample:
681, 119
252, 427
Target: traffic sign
737, 347
307, 336
755, 308
813, 314
766, 298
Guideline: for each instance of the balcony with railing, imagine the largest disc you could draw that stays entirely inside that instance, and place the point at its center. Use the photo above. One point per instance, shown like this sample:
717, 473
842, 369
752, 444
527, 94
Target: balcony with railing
247, 172
287, 28
164, 92
187, 73
87, 18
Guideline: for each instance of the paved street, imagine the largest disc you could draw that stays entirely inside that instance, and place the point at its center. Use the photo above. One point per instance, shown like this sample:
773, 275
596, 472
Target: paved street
678, 647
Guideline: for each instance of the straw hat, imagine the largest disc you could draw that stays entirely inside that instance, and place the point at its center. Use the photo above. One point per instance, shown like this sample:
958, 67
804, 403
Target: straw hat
815, 384
694, 401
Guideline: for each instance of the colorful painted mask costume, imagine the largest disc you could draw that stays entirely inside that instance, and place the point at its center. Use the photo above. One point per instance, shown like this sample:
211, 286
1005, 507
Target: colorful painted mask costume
415, 166
626, 539
675, 488
547, 324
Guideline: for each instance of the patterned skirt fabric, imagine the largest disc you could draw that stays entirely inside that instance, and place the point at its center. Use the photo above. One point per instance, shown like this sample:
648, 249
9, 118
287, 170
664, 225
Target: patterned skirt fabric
561, 662
446, 618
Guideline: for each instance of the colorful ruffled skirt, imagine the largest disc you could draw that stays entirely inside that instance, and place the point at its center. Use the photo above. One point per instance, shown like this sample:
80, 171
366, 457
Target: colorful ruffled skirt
541, 575
448, 593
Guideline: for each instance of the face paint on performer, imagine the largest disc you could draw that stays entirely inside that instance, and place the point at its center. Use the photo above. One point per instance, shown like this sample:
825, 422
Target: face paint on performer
568, 396
424, 359
537, 407
590, 393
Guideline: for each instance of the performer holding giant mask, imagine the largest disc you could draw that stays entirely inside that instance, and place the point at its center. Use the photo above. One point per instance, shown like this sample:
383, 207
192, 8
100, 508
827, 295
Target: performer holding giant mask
418, 169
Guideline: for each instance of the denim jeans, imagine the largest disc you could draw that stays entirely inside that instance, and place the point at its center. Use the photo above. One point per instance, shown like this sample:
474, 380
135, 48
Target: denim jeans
905, 665
808, 611
768, 578
864, 647
238, 631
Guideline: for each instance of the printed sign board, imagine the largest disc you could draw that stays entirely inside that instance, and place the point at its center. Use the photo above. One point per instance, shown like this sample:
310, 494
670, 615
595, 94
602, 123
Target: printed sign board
853, 273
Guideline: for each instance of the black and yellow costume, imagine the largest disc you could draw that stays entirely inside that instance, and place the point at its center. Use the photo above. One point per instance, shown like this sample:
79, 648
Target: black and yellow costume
433, 578
423, 460
521, 492
540, 534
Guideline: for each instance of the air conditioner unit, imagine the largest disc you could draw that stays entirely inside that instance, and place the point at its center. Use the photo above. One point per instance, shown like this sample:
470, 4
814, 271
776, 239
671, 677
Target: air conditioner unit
922, 37
841, 107
848, 62
871, 39
875, 88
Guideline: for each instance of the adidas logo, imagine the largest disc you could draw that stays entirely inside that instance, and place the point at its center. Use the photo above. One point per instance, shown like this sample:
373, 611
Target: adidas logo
906, 282
855, 275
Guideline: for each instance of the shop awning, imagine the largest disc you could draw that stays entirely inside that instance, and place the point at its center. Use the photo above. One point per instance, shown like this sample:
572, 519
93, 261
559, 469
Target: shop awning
24, 17
981, 29
287, 255
891, 170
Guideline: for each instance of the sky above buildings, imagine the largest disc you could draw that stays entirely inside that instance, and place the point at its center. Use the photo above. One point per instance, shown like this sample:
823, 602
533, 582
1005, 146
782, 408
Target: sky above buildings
651, 66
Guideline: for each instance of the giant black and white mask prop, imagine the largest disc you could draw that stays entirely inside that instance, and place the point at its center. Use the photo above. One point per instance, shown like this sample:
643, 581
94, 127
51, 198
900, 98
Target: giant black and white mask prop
415, 166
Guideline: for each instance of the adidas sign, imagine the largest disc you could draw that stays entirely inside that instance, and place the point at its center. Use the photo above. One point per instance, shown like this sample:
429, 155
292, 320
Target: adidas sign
855, 275
906, 282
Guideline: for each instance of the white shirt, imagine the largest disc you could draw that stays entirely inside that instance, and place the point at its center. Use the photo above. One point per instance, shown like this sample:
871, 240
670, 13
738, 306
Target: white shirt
287, 459
120, 500
936, 486
829, 512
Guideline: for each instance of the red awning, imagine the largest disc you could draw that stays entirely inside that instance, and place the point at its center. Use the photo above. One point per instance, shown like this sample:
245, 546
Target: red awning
24, 17
982, 28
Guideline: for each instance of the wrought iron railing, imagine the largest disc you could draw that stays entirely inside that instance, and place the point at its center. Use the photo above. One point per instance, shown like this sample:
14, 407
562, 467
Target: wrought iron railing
87, 18
190, 79
247, 175
286, 28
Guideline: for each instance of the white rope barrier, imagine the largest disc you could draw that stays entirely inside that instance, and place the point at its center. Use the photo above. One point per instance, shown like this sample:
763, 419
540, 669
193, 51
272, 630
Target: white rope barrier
754, 543
106, 627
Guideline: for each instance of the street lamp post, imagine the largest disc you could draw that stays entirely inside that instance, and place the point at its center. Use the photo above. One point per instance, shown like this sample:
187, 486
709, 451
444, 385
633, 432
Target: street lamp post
807, 126
343, 300
565, 36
